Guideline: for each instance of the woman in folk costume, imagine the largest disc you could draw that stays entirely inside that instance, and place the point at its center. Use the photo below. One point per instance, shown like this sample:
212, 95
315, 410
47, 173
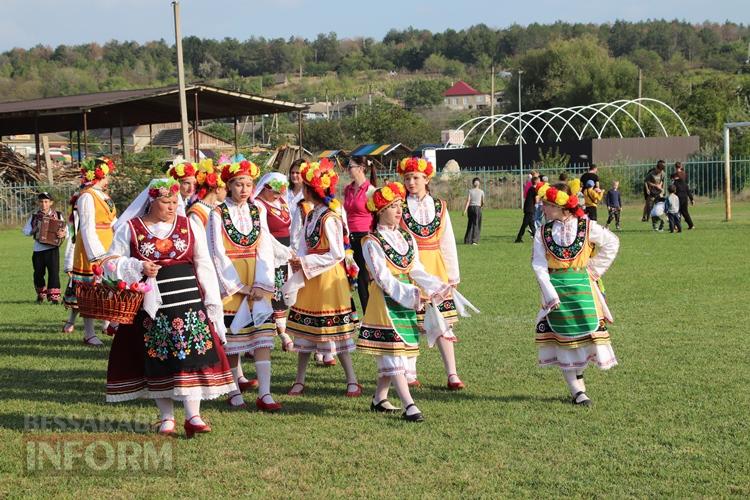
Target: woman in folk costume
570, 254
172, 351
320, 318
242, 253
389, 327
210, 191
270, 193
428, 221
96, 216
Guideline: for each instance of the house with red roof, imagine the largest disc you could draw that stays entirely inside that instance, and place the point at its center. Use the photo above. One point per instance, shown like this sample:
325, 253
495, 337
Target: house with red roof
463, 96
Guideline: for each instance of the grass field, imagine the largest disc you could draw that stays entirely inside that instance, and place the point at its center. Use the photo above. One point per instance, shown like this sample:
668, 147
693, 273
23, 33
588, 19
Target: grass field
670, 420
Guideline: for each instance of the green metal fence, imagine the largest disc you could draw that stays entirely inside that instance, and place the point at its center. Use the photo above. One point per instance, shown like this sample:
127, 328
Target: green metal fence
18, 201
504, 188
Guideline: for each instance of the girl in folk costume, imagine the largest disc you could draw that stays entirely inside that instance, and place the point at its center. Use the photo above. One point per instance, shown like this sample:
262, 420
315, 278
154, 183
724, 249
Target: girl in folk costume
184, 173
389, 327
570, 254
210, 191
96, 216
172, 351
242, 252
270, 193
320, 318
69, 296
299, 208
428, 222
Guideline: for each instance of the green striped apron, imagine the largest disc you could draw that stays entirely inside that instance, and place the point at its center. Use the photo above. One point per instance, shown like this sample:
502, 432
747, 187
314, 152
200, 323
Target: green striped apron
577, 312
404, 319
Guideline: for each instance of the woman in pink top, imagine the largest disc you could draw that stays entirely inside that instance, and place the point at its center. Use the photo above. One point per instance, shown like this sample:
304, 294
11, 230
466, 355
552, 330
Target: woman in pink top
358, 218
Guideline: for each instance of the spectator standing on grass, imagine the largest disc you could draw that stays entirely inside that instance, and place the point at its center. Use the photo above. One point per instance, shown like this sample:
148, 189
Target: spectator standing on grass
614, 205
591, 197
672, 207
474, 204
529, 207
358, 218
653, 188
680, 181
591, 175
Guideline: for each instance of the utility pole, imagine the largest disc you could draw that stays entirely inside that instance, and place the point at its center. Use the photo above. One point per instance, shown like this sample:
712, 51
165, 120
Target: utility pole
492, 99
520, 124
728, 168
181, 82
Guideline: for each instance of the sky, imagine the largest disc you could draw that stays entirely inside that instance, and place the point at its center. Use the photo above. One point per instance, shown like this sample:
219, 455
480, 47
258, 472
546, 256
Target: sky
26, 23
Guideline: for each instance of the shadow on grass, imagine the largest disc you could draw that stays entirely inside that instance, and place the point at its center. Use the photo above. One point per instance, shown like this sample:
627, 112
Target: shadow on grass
59, 386
69, 347
73, 423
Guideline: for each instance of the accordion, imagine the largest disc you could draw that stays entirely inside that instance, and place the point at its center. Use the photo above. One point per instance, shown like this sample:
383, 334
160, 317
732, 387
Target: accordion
47, 233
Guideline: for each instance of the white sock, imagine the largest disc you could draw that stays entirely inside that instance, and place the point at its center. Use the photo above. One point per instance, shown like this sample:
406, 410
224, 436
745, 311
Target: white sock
236, 392
574, 385
88, 328
281, 324
411, 369
166, 411
192, 411
263, 371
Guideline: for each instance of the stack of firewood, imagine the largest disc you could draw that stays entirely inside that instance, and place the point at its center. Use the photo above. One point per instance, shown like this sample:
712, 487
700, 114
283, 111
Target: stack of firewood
14, 169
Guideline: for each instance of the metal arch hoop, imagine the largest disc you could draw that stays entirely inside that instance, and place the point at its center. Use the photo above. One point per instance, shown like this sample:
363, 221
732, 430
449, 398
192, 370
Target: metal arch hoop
608, 110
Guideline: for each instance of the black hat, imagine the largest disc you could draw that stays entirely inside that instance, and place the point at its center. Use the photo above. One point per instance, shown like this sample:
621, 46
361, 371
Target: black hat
44, 195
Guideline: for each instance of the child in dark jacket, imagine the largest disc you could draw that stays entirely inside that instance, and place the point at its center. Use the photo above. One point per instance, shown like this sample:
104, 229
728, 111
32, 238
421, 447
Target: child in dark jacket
614, 205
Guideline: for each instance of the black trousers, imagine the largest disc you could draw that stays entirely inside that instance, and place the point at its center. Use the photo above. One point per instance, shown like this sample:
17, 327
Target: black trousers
363, 278
684, 203
474, 225
591, 212
528, 222
47, 262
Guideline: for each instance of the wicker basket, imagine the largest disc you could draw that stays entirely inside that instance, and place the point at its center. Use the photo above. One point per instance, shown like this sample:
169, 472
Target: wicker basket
102, 302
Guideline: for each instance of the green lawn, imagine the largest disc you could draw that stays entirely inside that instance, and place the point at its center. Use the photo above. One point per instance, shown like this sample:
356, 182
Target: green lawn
670, 420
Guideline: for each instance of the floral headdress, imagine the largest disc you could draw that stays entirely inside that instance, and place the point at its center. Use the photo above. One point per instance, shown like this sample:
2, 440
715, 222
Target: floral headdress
159, 188
384, 196
181, 170
237, 166
418, 165
208, 178
96, 169
322, 178
278, 185
551, 194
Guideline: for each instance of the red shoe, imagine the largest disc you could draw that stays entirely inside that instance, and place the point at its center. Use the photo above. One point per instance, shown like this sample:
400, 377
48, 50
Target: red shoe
110, 330
251, 384
170, 433
269, 407
330, 362
234, 406
193, 429
455, 386
415, 384
292, 392
68, 327
357, 392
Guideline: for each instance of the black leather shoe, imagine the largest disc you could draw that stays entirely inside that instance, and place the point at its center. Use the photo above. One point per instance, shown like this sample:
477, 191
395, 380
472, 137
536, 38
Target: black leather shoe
416, 417
379, 408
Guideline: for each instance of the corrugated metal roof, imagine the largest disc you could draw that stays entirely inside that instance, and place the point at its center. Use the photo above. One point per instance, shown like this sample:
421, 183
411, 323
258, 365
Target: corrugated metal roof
131, 107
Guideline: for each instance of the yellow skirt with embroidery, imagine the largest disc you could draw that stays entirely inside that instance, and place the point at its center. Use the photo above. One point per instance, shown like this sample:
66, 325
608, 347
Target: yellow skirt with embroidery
251, 337
323, 311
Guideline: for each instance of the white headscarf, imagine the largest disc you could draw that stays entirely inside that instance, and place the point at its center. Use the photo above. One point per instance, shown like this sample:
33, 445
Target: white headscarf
140, 205
270, 176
